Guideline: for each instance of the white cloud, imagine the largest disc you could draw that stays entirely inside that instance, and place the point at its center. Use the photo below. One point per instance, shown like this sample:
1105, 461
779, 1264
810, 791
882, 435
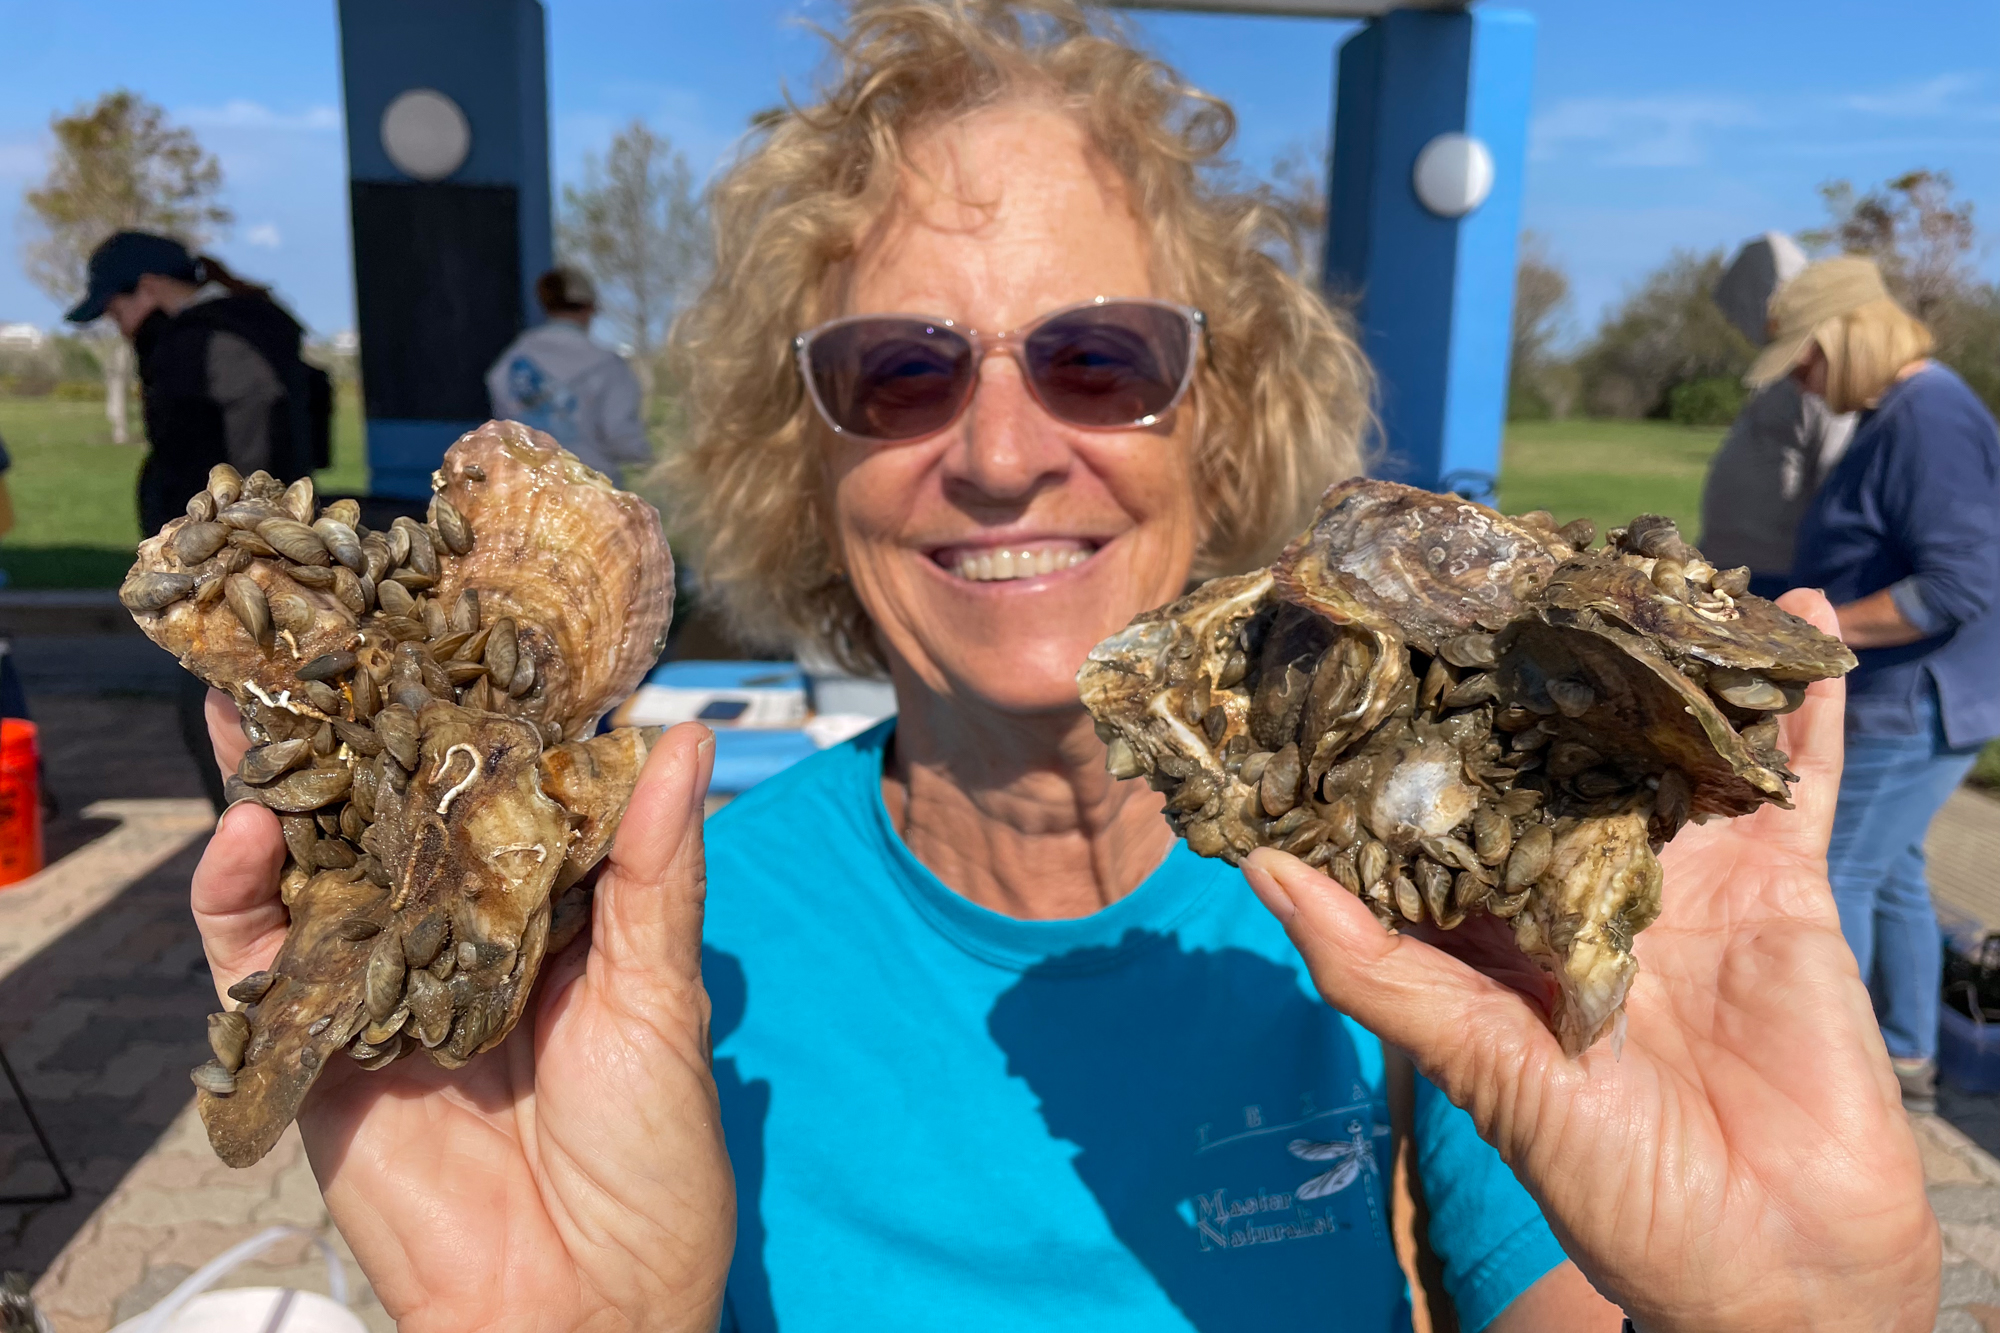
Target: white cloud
1932, 97
1914, 146
264, 234
247, 115
1667, 130
1682, 129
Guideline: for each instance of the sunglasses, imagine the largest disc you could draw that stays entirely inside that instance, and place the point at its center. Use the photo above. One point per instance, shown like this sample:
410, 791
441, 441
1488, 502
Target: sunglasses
1102, 365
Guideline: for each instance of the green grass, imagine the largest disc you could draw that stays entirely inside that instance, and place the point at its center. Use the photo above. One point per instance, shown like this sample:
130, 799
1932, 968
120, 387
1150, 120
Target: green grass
1607, 471
1611, 471
75, 492
73, 488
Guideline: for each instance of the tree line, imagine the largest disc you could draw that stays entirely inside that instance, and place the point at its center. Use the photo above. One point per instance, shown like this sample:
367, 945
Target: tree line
634, 220
1667, 351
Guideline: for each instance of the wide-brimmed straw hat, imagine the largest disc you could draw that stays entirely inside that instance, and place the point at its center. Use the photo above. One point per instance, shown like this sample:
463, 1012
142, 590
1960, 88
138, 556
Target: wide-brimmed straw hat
1826, 290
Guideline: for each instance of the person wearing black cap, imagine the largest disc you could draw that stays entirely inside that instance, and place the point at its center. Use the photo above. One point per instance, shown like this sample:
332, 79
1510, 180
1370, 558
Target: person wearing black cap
223, 383
219, 365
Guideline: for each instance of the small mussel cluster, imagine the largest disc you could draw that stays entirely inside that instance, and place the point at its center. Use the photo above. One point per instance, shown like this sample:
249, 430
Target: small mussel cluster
1453, 713
420, 703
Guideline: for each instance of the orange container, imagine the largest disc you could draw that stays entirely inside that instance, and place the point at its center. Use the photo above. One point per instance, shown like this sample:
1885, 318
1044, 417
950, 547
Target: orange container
20, 801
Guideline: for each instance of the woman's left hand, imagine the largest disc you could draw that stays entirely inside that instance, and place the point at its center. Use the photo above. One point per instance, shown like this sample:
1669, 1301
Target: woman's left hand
1746, 1163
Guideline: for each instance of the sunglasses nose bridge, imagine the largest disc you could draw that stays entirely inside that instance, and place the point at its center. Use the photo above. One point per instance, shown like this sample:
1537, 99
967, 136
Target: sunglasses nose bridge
985, 345
1008, 347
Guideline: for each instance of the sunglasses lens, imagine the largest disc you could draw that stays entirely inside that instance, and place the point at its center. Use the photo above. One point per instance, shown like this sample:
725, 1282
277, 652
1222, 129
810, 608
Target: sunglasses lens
1114, 364
890, 379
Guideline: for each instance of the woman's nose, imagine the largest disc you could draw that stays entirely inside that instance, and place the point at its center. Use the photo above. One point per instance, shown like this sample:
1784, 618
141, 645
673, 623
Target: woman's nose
1008, 445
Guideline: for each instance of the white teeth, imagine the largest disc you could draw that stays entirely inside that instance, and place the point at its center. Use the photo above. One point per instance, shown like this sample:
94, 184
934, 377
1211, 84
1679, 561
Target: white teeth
1017, 563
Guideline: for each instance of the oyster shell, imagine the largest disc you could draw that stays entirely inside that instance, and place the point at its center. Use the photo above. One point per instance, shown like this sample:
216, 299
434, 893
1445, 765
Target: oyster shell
418, 702
1452, 712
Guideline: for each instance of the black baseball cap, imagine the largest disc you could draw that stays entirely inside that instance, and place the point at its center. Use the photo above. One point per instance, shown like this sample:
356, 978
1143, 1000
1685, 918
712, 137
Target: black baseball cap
127, 256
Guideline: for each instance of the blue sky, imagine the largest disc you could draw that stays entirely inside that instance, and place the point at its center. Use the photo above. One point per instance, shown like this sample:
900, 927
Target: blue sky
1686, 123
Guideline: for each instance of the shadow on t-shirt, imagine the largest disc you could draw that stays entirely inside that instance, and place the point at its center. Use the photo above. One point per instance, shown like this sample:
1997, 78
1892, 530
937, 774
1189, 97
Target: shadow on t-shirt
745, 1104
1223, 1124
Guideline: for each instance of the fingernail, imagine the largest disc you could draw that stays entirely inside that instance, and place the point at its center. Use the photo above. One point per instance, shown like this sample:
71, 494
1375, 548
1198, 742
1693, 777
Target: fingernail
232, 806
1277, 901
704, 771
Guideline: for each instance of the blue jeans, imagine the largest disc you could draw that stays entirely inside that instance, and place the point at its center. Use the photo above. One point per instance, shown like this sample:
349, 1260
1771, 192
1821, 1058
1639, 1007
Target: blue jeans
1890, 789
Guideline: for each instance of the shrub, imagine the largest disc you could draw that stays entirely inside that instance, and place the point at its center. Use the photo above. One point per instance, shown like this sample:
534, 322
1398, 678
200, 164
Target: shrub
28, 382
75, 358
1668, 331
1526, 402
1713, 400
1968, 334
1986, 769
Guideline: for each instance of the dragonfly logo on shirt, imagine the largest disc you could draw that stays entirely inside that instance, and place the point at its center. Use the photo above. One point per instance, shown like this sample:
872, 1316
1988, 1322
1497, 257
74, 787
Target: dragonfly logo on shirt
545, 404
1308, 1207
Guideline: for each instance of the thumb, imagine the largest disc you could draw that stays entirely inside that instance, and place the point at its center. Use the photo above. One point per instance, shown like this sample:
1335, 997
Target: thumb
1471, 1036
648, 908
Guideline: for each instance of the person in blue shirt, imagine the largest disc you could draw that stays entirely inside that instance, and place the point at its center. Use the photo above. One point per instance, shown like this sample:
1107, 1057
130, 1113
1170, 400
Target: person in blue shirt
942, 1028
1904, 538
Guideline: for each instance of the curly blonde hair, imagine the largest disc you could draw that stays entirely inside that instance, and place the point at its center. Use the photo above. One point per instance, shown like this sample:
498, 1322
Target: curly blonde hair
1283, 396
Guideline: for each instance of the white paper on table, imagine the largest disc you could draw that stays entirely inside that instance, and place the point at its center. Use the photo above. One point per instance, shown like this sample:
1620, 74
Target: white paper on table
826, 730
664, 705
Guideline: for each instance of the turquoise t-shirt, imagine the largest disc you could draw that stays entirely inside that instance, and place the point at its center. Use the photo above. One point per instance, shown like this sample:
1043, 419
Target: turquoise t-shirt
1140, 1121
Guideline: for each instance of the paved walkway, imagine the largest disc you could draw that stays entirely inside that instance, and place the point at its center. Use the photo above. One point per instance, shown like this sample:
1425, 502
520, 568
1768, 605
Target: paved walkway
103, 988
102, 992
1964, 856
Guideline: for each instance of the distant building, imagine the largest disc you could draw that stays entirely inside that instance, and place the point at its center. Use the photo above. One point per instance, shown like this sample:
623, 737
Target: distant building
22, 338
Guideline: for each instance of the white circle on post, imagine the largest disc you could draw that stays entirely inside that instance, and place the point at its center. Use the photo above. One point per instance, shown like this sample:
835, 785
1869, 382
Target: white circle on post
425, 134
1454, 174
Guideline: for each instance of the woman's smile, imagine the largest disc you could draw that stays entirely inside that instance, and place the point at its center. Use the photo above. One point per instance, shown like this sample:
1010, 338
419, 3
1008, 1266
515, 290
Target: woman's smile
1024, 563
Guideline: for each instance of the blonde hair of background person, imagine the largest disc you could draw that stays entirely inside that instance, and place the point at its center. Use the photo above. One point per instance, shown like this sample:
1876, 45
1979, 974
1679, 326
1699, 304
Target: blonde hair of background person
1282, 393
1866, 350
1838, 332
1839, 311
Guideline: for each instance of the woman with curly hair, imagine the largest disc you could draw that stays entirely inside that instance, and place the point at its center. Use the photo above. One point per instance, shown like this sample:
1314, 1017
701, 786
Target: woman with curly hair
943, 1029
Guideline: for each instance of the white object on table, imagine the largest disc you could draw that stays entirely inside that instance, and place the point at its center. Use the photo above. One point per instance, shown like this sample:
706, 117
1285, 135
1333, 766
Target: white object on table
193, 1308
665, 705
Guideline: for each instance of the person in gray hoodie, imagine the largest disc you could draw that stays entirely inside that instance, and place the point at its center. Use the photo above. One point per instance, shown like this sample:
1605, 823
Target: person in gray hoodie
555, 379
1780, 447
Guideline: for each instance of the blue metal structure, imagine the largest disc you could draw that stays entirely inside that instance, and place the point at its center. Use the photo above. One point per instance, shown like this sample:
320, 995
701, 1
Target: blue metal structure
1432, 289
444, 268
444, 265
1434, 295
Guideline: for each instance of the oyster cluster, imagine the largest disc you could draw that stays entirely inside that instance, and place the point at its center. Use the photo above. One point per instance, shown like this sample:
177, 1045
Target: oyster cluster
421, 704
1452, 712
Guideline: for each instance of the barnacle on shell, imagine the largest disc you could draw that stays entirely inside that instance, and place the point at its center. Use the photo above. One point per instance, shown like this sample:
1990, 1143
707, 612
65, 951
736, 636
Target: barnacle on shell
421, 703
1452, 712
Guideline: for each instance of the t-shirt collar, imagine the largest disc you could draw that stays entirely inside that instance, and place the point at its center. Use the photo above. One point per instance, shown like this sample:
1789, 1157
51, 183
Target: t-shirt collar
1143, 917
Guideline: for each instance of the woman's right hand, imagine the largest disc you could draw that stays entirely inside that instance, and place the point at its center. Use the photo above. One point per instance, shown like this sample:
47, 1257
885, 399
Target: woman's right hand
573, 1177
